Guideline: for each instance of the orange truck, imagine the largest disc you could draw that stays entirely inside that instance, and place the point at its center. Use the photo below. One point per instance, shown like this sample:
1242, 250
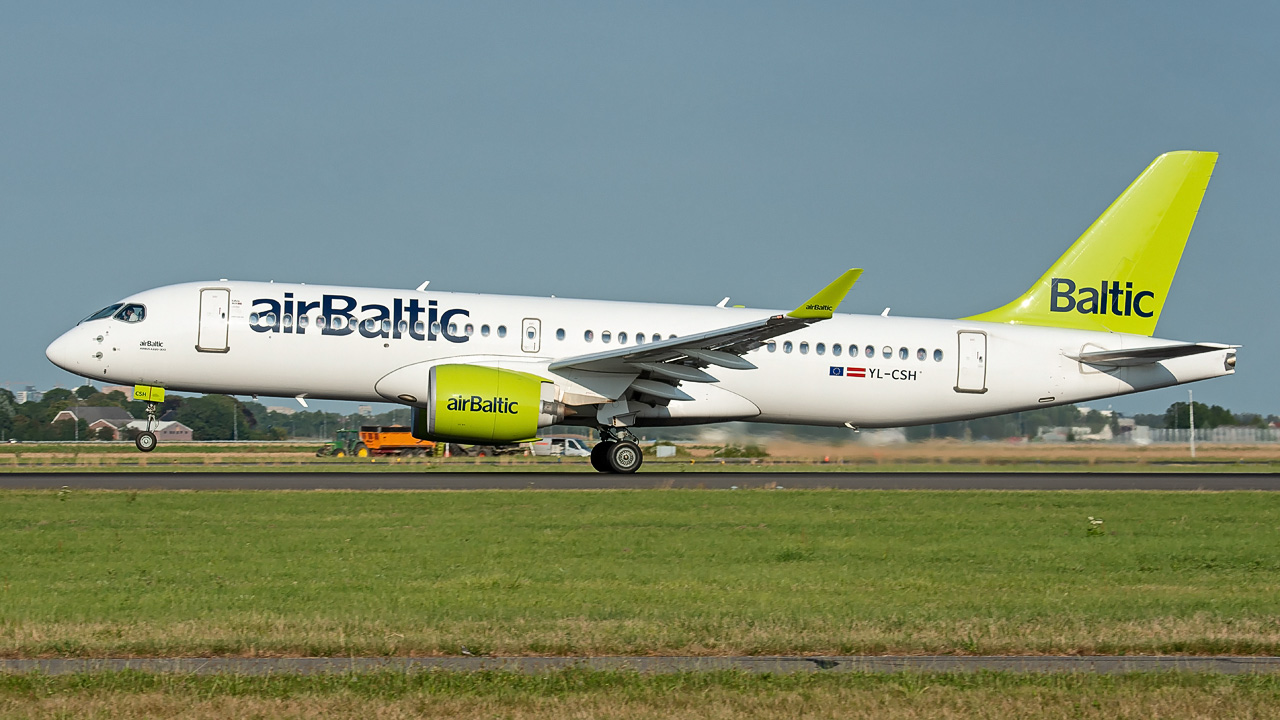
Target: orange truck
390, 440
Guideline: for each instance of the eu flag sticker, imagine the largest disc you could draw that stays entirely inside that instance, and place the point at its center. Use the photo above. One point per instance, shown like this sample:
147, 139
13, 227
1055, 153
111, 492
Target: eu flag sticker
837, 371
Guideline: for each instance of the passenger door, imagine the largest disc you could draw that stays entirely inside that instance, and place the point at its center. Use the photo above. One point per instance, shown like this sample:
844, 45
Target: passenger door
214, 326
971, 376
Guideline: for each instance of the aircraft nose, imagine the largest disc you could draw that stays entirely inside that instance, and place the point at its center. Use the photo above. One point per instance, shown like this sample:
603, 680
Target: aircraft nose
61, 352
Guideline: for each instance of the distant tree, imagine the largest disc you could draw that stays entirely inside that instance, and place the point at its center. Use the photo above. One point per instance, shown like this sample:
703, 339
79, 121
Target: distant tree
7, 406
1207, 416
1150, 420
85, 391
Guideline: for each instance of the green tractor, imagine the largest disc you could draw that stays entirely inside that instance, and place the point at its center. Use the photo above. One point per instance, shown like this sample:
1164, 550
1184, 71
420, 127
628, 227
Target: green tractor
344, 445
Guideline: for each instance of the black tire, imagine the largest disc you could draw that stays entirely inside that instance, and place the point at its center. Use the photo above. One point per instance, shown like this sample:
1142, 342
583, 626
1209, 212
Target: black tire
625, 457
146, 441
600, 456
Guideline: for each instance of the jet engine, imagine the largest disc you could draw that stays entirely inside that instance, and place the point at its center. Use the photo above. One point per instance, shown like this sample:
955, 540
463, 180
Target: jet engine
473, 404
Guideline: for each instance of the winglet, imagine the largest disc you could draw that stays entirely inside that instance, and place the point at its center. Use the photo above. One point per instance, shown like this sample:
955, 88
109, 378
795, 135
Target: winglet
822, 305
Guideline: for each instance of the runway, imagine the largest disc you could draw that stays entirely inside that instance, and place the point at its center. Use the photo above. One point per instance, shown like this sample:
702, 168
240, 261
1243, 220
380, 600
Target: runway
1103, 665
440, 480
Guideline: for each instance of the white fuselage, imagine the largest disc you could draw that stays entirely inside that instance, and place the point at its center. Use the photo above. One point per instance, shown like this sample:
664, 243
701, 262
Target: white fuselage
264, 343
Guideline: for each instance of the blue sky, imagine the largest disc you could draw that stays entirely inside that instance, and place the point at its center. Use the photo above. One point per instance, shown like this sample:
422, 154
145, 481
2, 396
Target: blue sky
675, 152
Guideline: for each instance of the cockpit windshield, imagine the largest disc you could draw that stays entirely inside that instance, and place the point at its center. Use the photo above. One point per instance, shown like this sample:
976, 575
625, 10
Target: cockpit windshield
105, 312
132, 313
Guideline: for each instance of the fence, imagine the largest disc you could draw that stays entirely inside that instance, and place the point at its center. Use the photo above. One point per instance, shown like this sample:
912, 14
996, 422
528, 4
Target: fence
1226, 435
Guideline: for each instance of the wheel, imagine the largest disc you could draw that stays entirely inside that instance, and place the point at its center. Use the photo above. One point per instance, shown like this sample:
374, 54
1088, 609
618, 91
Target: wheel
362, 450
600, 455
625, 457
146, 441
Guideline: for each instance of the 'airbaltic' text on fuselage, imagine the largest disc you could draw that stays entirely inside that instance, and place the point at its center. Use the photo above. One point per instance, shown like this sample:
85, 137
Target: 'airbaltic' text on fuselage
338, 316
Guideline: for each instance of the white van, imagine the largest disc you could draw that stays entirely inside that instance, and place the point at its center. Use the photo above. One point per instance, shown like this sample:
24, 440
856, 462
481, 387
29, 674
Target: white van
563, 446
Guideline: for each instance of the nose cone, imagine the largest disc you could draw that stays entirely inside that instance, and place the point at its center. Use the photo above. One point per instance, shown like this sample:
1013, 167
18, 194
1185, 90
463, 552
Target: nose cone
61, 352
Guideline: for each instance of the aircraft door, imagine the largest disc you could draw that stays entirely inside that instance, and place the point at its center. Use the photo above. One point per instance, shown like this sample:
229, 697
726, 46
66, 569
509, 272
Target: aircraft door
214, 326
971, 377
531, 335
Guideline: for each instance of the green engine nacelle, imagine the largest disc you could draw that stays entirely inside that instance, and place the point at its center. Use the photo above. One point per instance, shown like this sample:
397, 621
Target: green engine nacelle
471, 404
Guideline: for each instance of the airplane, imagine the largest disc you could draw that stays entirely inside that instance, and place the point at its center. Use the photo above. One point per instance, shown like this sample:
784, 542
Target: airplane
489, 369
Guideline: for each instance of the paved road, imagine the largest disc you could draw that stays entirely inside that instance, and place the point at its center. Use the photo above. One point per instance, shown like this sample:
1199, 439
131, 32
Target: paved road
1105, 665
435, 480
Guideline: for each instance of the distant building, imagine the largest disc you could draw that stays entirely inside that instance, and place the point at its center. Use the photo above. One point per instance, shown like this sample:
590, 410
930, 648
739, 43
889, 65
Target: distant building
281, 409
126, 390
113, 418
365, 410
165, 430
28, 395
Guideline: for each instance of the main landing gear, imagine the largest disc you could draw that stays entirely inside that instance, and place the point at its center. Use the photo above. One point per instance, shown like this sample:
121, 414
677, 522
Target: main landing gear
617, 452
146, 440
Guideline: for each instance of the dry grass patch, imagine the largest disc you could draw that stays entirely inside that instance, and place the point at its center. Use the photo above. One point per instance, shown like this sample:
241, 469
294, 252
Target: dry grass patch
574, 694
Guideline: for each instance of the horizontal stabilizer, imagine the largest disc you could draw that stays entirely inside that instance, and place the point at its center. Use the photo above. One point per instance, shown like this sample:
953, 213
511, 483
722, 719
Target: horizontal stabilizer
1147, 355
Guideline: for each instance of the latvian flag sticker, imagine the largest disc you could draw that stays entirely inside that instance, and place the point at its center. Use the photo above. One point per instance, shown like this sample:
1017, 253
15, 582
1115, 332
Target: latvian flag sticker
852, 372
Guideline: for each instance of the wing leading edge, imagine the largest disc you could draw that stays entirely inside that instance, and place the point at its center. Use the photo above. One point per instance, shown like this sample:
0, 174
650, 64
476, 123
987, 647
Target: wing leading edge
660, 367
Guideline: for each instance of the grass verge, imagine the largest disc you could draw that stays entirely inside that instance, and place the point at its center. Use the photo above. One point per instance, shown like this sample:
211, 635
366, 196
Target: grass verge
668, 572
577, 693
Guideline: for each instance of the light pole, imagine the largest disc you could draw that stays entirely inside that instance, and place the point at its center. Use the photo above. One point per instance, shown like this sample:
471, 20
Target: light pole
1191, 420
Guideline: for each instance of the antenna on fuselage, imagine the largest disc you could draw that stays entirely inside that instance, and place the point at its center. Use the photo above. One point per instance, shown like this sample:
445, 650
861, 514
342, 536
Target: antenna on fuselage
424, 285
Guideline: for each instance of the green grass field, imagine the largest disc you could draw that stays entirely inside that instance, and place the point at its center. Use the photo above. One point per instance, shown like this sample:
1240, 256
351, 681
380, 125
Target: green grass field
96, 573
576, 693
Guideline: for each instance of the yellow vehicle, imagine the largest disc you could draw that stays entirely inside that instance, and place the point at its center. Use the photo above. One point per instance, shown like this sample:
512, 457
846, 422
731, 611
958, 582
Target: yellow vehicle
377, 440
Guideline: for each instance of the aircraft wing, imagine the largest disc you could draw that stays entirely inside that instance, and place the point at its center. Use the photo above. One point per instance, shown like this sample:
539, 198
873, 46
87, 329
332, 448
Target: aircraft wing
659, 367
1147, 355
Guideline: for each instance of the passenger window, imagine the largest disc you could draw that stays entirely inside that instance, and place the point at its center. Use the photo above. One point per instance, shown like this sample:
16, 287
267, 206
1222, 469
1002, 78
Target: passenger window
772, 345
588, 336
531, 333
622, 338
937, 356
469, 330
453, 329
786, 346
320, 322
484, 331
887, 352
804, 348
656, 337
921, 354
559, 333
820, 348
303, 321
386, 325
435, 327
903, 353
870, 352
639, 338
605, 336
502, 331
288, 320
418, 326
132, 313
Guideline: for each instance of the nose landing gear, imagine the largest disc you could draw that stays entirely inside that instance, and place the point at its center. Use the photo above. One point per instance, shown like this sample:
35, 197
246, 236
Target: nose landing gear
146, 440
617, 452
